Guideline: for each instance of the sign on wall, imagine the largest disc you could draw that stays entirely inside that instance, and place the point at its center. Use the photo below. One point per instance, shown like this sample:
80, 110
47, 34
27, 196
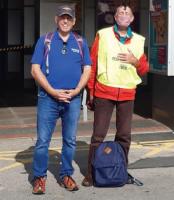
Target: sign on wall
158, 35
161, 55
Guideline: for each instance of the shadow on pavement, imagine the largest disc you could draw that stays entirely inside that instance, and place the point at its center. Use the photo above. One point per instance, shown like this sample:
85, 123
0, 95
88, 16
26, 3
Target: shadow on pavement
81, 156
26, 157
156, 162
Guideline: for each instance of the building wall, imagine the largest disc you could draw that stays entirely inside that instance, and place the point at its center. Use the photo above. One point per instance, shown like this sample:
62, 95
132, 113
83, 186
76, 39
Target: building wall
154, 98
29, 36
89, 21
144, 22
163, 99
85, 22
47, 14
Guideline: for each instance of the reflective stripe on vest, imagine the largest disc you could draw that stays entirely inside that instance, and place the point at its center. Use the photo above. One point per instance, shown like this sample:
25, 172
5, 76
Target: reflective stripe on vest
111, 71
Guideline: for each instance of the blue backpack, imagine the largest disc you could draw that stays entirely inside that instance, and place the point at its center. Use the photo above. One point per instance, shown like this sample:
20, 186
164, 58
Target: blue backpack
109, 168
109, 165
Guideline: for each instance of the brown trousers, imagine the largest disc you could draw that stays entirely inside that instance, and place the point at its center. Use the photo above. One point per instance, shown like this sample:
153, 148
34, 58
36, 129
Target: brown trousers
103, 109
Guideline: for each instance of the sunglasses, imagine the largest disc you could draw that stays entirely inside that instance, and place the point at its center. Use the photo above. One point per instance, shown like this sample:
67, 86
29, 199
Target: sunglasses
64, 48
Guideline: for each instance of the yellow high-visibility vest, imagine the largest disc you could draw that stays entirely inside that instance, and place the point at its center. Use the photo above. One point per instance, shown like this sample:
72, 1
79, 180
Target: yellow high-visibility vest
111, 71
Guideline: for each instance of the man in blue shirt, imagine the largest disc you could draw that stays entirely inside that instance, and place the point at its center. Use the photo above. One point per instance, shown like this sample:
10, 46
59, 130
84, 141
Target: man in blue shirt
61, 76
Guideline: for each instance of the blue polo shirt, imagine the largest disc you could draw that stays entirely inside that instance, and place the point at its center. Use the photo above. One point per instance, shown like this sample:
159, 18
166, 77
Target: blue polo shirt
65, 70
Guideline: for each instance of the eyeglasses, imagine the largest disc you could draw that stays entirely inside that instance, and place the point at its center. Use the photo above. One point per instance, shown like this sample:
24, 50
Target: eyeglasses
64, 49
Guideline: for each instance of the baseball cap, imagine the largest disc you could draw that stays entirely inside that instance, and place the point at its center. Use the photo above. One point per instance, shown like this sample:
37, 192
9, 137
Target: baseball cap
66, 10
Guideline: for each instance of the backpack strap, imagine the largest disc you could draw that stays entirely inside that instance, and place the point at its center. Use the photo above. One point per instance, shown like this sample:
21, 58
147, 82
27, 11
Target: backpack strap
79, 40
132, 180
47, 43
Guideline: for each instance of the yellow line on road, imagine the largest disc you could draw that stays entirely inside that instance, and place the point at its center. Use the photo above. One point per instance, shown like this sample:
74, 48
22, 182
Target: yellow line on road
155, 148
14, 165
11, 153
152, 152
86, 147
159, 149
155, 142
3, 158
29, 152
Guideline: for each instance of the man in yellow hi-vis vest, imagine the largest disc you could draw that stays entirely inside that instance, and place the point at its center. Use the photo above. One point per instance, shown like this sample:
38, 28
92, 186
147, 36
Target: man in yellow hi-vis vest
118, 60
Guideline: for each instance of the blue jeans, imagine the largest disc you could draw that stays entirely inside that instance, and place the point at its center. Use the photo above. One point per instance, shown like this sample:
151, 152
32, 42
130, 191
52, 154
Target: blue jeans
49, 110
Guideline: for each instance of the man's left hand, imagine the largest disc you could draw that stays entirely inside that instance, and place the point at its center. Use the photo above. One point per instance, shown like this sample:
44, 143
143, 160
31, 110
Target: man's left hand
73, 92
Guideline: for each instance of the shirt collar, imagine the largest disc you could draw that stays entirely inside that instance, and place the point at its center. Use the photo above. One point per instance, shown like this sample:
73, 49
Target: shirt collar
59, 38
128, 34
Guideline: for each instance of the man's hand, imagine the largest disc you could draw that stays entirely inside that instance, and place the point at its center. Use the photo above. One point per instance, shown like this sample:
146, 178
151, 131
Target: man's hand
73, 92
128, 58
65, 95
61, 95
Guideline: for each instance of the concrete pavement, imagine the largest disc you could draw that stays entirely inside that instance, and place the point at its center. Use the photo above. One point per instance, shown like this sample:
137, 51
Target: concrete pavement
151, 159
21, 122
151, 162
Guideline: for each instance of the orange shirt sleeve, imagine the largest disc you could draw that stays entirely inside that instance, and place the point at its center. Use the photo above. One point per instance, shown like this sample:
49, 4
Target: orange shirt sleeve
143, 65
94, 58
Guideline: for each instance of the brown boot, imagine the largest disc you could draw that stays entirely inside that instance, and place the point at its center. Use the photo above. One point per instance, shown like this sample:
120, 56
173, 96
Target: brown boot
69, 183
87, 181
39, 185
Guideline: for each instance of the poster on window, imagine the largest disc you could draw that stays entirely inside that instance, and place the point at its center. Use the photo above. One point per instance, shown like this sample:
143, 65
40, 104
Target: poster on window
106, 11
158, 35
